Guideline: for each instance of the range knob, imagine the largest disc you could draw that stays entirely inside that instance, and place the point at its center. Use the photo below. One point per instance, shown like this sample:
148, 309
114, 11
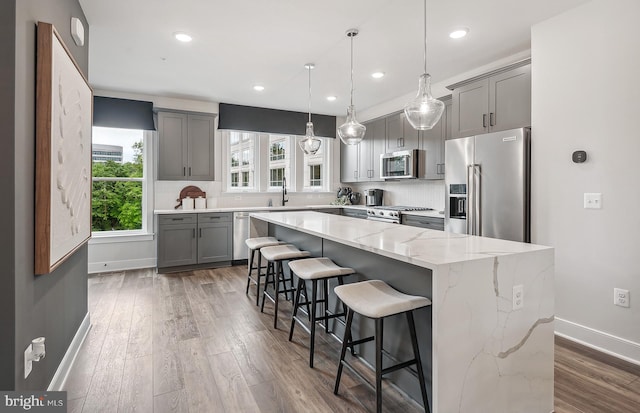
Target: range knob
381, 213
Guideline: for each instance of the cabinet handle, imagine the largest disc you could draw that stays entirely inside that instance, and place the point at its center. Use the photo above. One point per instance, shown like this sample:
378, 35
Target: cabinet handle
355, 174
177, 219
491, 123
484, 120
200, 232
402, 142
193, 235
189, 171
184, 171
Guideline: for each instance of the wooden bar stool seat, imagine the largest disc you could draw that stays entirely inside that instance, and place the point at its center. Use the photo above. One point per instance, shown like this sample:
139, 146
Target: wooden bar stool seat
255, 244
275, 255
376, 299
314, 270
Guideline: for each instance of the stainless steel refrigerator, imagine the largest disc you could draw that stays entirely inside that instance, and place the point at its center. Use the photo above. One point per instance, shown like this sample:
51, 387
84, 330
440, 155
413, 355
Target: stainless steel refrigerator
487, 179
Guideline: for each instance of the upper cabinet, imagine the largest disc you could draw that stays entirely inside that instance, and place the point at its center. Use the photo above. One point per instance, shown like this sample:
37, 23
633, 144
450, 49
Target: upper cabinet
185, 147
401, 136
361, 162
433, 143
497, 101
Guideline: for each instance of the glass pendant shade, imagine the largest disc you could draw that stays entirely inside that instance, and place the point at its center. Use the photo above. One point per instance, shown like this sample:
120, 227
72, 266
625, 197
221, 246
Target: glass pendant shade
309, 143
351, 132
424, 111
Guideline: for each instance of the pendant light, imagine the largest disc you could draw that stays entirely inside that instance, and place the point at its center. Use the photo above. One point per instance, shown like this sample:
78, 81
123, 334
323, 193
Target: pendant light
424, 111
351, 132
309, 143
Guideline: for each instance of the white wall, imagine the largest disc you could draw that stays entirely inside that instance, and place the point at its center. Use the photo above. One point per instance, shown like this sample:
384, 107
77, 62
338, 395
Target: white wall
586, 96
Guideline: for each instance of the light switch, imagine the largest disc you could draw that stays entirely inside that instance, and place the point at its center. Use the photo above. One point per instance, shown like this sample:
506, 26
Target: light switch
593, 200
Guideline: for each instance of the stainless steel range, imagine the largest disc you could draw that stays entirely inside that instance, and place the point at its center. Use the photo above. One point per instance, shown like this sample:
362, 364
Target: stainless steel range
391, 213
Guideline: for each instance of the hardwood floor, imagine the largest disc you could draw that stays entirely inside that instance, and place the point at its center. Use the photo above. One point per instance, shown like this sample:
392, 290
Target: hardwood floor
193, 342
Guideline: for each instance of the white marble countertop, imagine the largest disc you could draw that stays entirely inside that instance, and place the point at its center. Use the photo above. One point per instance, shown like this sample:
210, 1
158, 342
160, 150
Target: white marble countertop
423, 247
244, 209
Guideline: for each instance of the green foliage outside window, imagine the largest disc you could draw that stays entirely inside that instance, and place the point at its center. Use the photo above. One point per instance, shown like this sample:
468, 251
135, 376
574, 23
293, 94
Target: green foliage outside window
117, 205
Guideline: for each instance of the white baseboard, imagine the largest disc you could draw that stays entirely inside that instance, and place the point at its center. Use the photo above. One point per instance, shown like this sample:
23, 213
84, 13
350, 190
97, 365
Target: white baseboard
60, 378
95, 267
598, 340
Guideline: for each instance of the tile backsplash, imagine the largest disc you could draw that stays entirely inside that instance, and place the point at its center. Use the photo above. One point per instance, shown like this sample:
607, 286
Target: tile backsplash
411, 192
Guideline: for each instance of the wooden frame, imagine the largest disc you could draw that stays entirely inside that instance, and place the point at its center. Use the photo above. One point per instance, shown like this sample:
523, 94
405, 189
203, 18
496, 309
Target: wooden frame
64, 107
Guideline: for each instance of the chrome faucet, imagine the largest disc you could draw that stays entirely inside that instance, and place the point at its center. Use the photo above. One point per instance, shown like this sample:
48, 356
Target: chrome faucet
284, 190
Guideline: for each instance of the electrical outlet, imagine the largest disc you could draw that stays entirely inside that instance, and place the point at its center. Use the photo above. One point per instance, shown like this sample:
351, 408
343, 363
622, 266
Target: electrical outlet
28, 362
593, 201
518, 297
621, 297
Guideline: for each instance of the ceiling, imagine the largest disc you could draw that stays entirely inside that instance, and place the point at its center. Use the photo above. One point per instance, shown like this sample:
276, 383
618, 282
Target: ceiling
237, 44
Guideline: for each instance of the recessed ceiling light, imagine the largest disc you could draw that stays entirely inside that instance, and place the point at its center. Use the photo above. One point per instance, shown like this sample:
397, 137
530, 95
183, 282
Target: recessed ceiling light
331, 98
183, 37
258, 88
377, 75
459, 33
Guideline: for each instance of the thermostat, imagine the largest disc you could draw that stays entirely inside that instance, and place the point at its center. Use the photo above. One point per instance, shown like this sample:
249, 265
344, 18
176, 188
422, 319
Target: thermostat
77, 31
579, 156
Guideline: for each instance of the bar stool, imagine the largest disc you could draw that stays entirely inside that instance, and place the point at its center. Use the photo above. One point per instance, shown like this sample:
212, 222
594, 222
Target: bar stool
314, 270
255, 244
275, 255
376, 299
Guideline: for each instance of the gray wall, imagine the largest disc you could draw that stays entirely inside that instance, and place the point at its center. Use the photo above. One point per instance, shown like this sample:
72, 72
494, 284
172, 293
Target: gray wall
51, 305
7, 298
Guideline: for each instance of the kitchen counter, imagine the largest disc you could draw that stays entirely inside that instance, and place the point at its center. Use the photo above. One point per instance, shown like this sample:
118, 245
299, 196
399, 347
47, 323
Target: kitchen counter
481, 352
244, 209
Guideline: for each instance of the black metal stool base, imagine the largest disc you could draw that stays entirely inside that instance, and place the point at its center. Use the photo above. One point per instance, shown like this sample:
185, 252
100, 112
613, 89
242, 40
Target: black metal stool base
379, 330
275, 274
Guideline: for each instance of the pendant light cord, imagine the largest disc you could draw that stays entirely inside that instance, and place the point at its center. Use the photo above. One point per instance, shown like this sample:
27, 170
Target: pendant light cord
309, 68
352, 68
425, 36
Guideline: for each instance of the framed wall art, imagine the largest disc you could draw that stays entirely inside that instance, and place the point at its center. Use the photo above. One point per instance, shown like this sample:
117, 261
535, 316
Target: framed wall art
63, 153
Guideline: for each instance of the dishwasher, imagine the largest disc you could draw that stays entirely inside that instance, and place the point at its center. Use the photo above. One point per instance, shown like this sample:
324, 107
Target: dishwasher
240, 235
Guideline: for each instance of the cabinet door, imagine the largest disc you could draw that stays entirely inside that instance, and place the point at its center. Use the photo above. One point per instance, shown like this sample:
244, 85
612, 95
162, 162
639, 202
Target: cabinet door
470, 109
370, 149
349, 162
395, 134
510, 99
200, 143
410, 136
172, 146
215, 241
177, 245
433, 144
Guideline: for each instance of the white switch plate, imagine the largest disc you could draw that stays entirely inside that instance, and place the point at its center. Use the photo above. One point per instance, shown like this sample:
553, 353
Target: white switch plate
593, 200
518, 297
621, 297
28, 363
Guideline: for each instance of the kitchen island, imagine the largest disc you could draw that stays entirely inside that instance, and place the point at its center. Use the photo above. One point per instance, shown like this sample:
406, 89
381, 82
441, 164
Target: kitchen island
484, 348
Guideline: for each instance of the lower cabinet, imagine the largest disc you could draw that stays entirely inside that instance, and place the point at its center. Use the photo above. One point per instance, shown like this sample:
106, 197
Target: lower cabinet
355, 212
423, 222
190, 239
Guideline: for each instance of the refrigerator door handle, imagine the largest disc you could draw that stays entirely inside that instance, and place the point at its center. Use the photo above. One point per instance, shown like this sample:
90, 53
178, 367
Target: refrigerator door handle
477, 188
471, 200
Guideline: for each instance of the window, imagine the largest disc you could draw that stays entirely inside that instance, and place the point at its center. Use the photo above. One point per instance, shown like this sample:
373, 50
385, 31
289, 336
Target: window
242, 149
279, 160
315, 175
275, 177
118, 164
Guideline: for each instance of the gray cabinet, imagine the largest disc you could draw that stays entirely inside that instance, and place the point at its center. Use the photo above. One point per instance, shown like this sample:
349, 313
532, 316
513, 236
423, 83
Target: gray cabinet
370, 149
401, 136
497, 101
423, 222
177, 242
355, 212
185, 146
432, 141
361, 162
349, 162
215, 237
193, 239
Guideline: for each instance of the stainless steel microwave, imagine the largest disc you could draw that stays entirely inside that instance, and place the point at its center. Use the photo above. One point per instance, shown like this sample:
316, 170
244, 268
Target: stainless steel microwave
402, 164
